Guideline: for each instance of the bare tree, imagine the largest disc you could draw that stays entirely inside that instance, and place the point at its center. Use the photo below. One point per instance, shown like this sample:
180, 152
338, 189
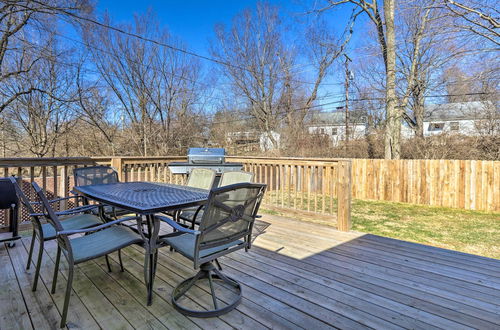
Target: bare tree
152, 85
382, 15
46, 113
481, 18
95, 111
19, 24
261, 67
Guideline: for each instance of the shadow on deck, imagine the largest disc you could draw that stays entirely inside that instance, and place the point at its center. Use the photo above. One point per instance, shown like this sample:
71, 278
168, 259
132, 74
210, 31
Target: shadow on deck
297, 275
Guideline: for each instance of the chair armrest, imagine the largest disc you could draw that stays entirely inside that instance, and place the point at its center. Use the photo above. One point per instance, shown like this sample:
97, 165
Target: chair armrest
91, 229
177, 226
56, 200
77, 209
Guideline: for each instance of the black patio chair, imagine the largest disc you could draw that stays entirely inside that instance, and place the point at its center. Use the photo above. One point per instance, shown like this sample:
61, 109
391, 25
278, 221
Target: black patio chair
202, 178
10, 202
193, 215
226, 227
92, 175
45, 231
97, 242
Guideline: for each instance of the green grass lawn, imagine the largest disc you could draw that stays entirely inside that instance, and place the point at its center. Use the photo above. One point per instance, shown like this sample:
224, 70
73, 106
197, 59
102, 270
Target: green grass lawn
467, 231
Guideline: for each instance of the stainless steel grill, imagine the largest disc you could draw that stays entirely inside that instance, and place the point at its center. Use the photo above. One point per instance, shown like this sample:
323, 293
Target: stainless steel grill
213, 158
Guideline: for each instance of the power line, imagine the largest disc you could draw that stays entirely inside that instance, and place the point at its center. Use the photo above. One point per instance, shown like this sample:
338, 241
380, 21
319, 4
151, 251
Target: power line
41, 50
159, 43
279, 113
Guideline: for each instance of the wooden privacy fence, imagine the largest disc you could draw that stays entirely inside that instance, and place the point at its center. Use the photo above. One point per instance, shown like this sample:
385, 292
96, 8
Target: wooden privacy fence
464, 184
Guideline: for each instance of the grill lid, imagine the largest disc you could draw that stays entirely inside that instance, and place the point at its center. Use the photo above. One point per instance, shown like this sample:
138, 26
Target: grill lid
206, 155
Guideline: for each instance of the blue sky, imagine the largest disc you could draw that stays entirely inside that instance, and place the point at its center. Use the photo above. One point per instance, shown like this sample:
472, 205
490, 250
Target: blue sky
193, 20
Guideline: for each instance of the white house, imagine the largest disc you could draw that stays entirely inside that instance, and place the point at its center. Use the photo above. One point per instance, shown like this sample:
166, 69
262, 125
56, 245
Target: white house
333, 125
467, 118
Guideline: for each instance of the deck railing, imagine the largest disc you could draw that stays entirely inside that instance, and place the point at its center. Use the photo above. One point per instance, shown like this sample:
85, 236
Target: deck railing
318, 186
310, 185
54, 175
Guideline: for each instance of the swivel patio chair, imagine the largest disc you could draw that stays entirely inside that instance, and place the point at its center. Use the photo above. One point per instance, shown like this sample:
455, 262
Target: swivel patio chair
97, 242
226, 227
45, 231
92, 175
232, 177
193, 215
202, 178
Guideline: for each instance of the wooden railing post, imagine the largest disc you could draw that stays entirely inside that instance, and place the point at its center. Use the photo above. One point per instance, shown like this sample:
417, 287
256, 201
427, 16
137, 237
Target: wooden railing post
64, 186
344, 195
118, 165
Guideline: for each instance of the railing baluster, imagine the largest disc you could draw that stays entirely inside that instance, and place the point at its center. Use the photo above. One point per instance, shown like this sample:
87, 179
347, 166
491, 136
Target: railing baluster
323, 181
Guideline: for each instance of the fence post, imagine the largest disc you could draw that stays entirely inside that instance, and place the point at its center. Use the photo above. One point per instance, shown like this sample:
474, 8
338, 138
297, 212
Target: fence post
344, 195
118, 165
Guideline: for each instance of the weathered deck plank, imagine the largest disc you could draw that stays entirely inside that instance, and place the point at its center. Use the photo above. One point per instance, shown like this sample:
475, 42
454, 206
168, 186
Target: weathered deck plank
79, 315
298, 275
14, 313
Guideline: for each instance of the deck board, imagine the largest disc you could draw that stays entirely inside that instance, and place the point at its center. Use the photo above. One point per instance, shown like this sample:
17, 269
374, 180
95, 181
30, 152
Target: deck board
297, 275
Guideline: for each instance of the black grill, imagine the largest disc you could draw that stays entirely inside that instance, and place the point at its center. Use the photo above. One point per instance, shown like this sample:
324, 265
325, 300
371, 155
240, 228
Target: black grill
213, 158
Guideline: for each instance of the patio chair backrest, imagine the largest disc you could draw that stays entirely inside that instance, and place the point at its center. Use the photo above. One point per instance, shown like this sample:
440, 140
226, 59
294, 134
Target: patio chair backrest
21, 195
34, 218
233, 177
229, 216
8, 196
202, 178
52, 218
95, 175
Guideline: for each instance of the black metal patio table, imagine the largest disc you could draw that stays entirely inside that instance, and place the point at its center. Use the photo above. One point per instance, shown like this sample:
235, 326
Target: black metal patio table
146, 198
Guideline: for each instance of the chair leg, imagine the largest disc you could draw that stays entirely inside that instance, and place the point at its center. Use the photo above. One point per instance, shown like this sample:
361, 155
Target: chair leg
212, 289
68, 294
218, 264
38, 265
120, 259
107, 263
56, 270
210, 272
32, 246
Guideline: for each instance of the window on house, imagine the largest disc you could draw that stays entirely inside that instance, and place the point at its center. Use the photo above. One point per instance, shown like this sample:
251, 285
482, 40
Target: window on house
334, 131
321, 130
436, 126
454, 126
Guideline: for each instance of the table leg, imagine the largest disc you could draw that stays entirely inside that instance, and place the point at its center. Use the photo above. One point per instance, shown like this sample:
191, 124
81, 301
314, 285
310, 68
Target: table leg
153, 225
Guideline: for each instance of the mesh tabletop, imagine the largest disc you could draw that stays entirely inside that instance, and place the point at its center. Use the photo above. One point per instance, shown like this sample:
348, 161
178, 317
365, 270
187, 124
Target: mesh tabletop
145, 197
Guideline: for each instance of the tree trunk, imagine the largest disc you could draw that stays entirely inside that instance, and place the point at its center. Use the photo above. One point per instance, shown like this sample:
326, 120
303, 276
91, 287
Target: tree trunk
393, 113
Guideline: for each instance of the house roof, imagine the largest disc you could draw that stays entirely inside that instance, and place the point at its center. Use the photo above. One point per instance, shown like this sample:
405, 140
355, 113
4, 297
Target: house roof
457, 111
336, 118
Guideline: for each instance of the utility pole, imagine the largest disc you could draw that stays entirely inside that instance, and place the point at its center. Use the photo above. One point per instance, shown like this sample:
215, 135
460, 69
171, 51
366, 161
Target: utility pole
347, 80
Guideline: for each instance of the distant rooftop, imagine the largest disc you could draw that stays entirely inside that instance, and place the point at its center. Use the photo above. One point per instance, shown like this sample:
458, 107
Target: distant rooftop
457, 111
337, 117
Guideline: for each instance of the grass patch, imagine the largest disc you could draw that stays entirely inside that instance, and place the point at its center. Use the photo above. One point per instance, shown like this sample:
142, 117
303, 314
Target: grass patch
473, 232
467, 231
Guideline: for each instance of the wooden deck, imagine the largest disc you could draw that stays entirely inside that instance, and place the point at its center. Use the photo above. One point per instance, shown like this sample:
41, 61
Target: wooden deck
298, 275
